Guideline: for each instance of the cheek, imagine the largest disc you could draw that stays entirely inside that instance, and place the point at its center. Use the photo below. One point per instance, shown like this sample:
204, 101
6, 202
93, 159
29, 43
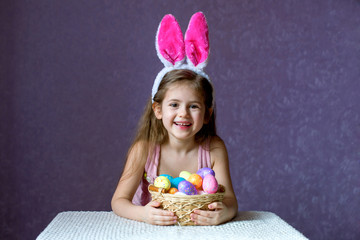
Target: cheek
199, 116
168, 116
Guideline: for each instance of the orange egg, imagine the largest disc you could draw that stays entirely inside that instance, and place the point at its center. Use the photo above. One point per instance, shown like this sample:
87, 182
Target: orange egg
196, 180
173, 190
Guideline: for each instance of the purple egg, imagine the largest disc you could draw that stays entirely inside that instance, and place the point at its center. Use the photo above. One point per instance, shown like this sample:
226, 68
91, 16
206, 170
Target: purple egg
187, 187
205, 171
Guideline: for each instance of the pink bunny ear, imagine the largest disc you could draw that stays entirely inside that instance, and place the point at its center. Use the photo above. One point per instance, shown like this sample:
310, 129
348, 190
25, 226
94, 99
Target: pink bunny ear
197, 40
170, 42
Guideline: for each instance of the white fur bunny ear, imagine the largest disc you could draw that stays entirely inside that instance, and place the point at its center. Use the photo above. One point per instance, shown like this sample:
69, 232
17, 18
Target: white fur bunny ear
197, 41
170, 42
172, 50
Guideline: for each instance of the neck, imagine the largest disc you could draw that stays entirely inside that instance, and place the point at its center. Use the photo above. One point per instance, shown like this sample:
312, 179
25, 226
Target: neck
181, 146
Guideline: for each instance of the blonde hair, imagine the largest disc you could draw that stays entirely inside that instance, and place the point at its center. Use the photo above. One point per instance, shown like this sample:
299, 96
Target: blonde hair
151, 131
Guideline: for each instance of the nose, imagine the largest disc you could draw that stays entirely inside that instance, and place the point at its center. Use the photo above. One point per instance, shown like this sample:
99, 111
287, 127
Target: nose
183, 112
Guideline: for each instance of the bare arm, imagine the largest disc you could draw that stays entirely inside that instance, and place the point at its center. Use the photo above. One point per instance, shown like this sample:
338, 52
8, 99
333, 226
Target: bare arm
121, 202
226, 210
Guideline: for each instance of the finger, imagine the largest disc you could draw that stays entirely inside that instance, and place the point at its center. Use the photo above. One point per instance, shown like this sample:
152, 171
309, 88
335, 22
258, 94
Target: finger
216, 206
199, 220
160, 212
203, 213
159, 216
164, 218
205, 217
154, 204
165, 214
165, 221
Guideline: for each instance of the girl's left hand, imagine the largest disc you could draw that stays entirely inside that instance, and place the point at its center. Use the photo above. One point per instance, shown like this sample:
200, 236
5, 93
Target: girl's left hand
216, 215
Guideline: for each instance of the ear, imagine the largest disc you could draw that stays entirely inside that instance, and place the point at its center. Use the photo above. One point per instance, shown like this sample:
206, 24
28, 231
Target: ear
157, 110
169, 42
208, 115
197, 41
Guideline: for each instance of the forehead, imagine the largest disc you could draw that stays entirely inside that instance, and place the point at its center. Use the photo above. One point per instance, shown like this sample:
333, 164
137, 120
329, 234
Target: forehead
183, 90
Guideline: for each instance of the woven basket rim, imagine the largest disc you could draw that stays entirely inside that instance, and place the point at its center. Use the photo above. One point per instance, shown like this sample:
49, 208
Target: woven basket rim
169, 195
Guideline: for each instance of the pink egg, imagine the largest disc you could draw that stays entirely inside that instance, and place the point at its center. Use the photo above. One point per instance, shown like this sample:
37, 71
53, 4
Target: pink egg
210, 184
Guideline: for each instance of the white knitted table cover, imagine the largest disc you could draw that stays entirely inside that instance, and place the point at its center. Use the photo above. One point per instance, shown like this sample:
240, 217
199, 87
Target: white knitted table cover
108, 226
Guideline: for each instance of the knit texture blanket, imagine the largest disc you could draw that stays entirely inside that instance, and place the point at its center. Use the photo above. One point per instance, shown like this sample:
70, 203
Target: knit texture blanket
108, 226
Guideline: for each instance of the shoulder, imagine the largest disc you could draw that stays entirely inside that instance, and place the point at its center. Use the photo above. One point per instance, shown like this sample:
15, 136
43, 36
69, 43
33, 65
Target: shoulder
216, 144
139, 151
218, 151
136, 148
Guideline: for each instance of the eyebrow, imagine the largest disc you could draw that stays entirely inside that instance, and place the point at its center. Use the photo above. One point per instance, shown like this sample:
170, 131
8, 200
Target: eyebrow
177, 100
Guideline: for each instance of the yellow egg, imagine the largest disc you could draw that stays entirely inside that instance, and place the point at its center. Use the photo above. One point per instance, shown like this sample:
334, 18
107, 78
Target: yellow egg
185, 175
162, 182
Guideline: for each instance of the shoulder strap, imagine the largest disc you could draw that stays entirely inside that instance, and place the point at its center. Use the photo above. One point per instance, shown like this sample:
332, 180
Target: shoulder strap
152, 164
204, 159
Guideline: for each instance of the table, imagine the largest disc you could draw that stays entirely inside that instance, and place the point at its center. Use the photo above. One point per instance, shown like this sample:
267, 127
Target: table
107, 226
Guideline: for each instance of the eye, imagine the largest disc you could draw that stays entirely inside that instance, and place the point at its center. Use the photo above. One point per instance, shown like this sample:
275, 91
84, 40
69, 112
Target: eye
194, 106
173, 105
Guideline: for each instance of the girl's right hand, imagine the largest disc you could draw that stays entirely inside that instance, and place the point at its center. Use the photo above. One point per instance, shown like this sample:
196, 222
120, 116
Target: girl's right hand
156, 216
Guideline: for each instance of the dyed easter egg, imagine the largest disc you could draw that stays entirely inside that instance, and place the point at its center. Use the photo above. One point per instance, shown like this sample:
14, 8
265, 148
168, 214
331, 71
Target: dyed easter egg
167, 176
175, 182
210, 184
173, 190
196, 180
205, 171
187, 188
162, 182
185, 174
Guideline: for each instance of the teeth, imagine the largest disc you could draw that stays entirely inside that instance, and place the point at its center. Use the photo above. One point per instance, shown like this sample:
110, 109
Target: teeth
183, 124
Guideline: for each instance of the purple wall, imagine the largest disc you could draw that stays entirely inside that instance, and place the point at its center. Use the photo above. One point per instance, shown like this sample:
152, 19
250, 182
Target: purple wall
74, 78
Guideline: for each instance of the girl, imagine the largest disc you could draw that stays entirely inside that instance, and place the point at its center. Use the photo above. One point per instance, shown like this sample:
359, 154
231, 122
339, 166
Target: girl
176, 132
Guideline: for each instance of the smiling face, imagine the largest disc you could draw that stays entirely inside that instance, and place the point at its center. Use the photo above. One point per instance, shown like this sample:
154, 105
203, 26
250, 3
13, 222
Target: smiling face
182, 111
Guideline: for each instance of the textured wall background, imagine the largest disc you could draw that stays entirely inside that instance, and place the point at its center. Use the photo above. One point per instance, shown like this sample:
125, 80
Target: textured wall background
75, 75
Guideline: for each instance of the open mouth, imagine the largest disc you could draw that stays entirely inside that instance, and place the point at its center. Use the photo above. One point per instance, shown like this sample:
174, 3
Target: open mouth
183, 124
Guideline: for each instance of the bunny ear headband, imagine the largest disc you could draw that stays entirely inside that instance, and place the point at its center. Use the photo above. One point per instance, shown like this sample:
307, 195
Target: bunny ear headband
177, 53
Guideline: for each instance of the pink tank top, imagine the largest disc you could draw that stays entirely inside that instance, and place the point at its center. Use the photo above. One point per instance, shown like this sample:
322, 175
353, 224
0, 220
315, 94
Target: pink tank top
142, 195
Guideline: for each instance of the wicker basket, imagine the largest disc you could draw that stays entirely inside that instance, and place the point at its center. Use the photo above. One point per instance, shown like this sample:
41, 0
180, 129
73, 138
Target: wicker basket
184, 205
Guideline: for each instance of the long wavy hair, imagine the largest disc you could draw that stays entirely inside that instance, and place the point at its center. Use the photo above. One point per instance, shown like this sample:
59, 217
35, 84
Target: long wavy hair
151, 132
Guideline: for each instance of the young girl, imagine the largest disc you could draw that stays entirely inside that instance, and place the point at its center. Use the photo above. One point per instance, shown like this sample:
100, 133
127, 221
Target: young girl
176, 132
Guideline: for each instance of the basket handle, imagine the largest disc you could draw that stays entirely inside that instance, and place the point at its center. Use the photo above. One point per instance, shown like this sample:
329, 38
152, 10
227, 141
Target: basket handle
221, 189
156, 189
